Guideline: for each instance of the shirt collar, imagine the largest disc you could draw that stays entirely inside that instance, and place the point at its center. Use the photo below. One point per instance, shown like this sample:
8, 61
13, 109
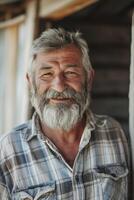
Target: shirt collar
92, 122
35, 127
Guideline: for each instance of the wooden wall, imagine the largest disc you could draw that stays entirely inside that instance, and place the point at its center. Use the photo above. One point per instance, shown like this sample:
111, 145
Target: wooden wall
109, 41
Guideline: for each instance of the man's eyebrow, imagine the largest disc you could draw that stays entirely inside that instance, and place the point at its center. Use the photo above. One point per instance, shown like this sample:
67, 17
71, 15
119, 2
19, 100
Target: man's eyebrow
71, 65
44, 67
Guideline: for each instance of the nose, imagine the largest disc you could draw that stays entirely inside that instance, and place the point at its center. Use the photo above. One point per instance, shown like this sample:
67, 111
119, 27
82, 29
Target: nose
58, 83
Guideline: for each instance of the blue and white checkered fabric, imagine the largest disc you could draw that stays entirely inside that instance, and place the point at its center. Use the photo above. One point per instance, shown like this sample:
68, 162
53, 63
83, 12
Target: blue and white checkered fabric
31, 167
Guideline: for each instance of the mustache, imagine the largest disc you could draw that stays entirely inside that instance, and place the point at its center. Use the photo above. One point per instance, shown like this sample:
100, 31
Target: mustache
67, 93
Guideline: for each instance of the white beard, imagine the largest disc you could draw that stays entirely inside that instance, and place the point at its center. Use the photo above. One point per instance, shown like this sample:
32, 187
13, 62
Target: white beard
61, 116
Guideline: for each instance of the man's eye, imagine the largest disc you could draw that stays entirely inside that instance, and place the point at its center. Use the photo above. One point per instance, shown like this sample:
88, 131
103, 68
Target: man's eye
47, 75
71, 74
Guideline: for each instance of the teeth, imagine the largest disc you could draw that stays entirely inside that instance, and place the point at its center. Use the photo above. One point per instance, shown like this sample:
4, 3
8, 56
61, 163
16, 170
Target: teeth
60, 98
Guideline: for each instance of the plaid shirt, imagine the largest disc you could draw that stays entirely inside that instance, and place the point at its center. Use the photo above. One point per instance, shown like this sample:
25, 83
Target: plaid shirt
31, 167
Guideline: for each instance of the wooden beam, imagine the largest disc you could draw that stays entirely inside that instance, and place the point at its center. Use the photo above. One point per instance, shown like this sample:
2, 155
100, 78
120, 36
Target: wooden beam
11, 39
12, 22
114, 106
131, 102
58, 9
111, 82
30, 31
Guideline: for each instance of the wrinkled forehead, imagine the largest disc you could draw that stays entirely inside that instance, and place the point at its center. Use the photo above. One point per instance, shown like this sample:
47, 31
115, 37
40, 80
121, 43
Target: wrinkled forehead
69, 53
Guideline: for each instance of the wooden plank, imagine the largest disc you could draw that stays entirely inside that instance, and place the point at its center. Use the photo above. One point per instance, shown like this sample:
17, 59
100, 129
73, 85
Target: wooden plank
31, 15
110, 56
100, 33
10, 64
111, 82
11, 36
8, 1
58, 9
2, 79
115, 107
86, 16
106, 34
131, 103
12, 22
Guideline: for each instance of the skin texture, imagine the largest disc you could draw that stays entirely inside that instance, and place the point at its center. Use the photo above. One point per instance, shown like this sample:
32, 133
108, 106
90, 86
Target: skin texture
58, 70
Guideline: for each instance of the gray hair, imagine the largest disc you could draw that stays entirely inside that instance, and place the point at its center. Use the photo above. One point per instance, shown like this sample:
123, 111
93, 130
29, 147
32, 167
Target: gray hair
52, 39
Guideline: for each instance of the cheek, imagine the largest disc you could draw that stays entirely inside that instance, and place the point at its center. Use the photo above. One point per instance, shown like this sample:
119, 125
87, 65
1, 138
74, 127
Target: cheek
76, 84
76, 88
42, 87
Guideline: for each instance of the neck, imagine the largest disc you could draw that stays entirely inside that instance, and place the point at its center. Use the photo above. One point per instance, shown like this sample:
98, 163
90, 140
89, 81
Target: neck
60, 135
66, 142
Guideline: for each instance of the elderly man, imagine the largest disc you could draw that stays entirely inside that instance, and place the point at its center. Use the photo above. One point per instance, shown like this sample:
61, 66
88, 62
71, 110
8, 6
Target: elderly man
65, 152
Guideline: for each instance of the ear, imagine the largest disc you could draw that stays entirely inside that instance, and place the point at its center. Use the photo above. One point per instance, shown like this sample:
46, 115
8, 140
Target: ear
91, 74
29, 80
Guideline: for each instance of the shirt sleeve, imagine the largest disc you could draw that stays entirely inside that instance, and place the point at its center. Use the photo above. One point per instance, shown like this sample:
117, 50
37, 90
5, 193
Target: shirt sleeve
125, 143
4, 195
4, 190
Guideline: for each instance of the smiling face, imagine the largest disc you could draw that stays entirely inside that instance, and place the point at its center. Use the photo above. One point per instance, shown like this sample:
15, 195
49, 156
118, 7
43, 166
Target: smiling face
59, 91
59, 69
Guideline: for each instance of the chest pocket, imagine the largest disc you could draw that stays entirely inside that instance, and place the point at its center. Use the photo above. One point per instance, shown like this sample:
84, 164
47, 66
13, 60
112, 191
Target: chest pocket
46, 192
113, 179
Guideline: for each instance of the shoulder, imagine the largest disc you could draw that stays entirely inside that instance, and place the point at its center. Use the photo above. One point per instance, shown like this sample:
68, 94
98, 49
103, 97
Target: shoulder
109, 136
109, 127
106, 121
14, 136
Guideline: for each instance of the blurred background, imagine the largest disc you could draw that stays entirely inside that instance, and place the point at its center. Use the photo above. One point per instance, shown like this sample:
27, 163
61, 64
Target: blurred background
105, 24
